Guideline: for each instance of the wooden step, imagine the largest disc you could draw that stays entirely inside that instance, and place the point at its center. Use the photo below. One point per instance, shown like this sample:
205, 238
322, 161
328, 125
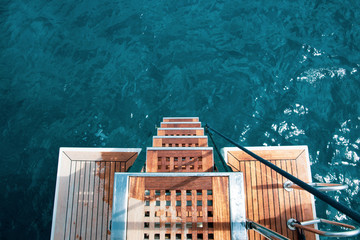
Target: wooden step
180, 141
180, 119
179, 159
180, 124
180, 131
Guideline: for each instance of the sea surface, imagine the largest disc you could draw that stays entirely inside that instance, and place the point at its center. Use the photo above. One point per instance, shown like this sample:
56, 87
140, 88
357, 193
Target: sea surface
104, 73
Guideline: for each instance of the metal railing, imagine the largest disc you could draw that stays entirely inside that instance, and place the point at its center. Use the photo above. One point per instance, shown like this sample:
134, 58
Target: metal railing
264, 231
323, 187
293, 224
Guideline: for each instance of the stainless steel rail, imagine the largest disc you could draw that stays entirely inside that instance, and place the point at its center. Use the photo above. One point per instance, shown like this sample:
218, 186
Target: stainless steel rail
264, 231
322, 187
293, 224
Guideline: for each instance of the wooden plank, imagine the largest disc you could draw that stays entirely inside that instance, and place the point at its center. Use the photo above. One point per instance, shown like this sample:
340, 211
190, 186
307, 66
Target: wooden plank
180, 142
287, 206
192, 119
207, 161
206, 157
291, 198
282, 205
221, 208
277, 212
271, 203
163, 216
249, 195
80, 201
255, 197
105, 214
177, 183
90, 208
153, 218
157, 142
265, 194
269, 154
180, 132
174, 218
151, 161
181, 125
297, 194
112, 173
85, 202
100, 203
136, 210
260, 193
184, 230
69, 204
94, 214
84, 155
205, 214
194, 213
75, 201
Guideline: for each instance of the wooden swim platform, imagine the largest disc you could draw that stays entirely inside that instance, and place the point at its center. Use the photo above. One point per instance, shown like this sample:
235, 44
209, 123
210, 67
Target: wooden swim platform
84, 190
267, 202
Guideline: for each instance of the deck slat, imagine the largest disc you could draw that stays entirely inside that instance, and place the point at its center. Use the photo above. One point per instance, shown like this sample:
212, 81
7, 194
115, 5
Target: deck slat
136, 216
180, 119
89, 210
221, 208
100, 208
271, 200
75, 202
292, 209
83, 200
70, 195
96, 202
255, 198
276, 214
249, 194
265, 194
180, 125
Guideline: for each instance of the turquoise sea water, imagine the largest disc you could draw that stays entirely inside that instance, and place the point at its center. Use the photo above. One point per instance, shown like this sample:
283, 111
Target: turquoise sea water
104, 73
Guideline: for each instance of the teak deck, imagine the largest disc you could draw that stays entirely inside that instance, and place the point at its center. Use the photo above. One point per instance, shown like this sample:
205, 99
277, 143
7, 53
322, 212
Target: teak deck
179, 208
84, 195
267, 202
84, 191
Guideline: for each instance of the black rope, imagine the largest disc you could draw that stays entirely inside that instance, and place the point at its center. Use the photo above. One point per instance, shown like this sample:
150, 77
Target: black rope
221, 166
300, 232
341, 207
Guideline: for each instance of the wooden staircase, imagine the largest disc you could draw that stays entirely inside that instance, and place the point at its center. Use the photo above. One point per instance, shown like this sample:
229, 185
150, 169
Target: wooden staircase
180, 146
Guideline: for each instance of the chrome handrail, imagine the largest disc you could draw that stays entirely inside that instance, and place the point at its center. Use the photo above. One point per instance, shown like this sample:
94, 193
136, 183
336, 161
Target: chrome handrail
322, 187
264, 231
293, 224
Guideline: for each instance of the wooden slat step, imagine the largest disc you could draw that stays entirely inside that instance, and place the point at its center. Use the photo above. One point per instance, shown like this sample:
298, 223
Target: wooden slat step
180, 141
180, 119
180, 124
180, 131
179, 159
